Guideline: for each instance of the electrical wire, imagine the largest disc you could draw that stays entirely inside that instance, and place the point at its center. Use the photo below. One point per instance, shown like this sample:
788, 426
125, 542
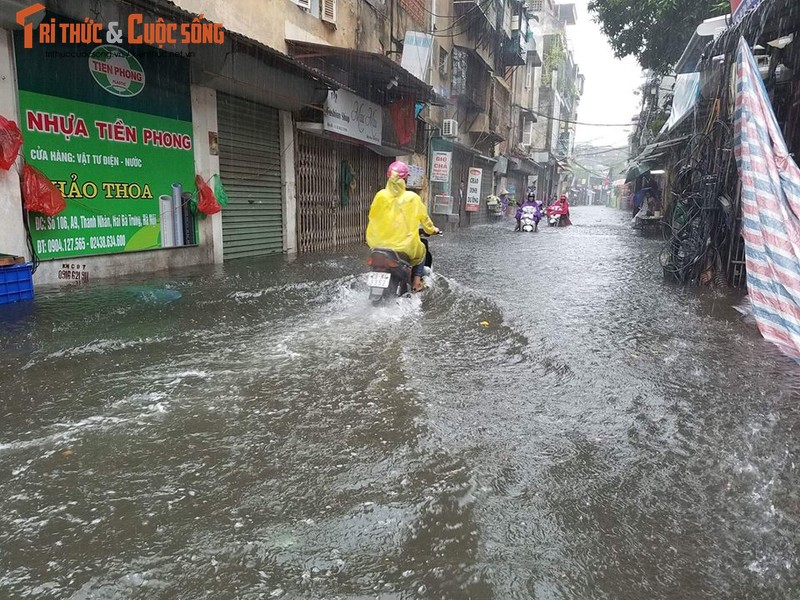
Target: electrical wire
601, 152
588, 170
538, 114
700, 228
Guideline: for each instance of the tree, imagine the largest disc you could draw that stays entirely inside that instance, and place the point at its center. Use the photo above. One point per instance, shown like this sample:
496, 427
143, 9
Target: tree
655, 32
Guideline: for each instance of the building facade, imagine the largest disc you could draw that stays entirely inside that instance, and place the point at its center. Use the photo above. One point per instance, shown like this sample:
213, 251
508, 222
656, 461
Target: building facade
294, 107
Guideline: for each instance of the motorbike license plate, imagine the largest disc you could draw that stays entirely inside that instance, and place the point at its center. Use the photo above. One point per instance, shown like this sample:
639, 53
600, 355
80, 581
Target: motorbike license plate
378, 280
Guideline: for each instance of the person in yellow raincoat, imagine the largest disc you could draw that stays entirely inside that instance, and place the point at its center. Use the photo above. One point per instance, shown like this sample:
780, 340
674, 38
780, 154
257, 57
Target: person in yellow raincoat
395, 217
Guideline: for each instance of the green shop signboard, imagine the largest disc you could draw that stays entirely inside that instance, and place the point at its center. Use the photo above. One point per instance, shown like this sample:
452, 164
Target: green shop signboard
111, 126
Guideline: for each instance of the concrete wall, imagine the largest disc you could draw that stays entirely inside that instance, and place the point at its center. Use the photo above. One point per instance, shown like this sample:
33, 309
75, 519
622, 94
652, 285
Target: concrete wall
204, 121
270, 22
289, 192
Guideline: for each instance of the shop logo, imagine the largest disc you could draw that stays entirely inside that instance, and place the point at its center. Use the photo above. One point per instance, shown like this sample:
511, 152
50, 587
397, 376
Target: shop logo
22, 15
116, 70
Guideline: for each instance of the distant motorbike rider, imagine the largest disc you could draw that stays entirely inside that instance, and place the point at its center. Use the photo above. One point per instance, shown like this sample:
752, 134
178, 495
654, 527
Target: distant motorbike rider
395, 218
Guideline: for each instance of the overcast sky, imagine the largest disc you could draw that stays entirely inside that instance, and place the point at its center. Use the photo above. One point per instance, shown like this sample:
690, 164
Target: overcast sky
610, 83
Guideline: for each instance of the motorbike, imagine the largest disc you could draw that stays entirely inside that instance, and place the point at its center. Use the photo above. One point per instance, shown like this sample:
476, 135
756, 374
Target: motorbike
555, 213
530, 219
390, 272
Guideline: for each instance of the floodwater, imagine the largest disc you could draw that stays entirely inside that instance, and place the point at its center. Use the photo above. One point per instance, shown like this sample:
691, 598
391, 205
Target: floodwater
550, 420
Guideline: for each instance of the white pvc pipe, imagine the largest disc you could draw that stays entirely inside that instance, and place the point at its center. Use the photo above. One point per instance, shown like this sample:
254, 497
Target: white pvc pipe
166, 221
177, 212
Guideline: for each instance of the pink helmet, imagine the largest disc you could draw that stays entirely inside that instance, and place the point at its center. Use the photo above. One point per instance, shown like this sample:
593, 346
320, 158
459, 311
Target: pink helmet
398, 167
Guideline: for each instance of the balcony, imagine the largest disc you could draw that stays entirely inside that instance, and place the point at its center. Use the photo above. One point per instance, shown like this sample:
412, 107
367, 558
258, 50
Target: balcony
482, 128
487, 11
515, 50
533, 51
500, 119
470, 79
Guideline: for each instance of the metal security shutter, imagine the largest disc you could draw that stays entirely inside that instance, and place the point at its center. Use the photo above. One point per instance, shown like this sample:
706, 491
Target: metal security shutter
250, 168
323, 223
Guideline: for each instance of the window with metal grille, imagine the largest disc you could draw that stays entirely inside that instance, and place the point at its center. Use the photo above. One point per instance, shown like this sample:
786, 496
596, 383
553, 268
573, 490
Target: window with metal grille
444, 63
535, 5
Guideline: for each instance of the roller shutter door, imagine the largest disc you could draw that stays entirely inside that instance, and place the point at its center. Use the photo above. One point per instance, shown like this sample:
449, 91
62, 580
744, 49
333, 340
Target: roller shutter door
250, 168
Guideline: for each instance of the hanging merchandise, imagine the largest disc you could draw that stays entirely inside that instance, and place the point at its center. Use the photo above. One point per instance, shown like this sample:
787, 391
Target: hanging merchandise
219, 191
39, 194
402, 113
206, 202
10, 142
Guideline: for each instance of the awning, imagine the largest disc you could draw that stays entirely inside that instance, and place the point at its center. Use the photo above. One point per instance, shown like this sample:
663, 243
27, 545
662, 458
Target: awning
523, 165
657, 149
241, 66
703, 34
287, 61
349, 67
686, 95
637, 171
475, 54
318, 130
487, 136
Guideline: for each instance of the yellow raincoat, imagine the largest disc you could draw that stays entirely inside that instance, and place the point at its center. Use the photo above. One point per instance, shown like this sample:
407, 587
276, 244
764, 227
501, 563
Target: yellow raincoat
395, 218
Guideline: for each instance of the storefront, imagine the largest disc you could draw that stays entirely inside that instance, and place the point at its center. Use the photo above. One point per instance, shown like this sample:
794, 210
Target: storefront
345, 145
111, 126
464, 179
336, 182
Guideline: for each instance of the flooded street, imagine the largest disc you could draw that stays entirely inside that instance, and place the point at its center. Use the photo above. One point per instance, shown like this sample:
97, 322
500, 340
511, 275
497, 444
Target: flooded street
551, 420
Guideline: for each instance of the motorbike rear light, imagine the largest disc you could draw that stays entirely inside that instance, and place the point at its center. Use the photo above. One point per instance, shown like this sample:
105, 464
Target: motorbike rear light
382, 261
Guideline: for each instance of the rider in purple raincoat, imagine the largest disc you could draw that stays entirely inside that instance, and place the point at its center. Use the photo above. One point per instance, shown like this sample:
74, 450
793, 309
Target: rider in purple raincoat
537, 215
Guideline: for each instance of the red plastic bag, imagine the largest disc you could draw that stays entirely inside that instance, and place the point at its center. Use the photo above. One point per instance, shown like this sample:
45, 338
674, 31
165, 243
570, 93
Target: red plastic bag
39, 194
10, 142
206, 201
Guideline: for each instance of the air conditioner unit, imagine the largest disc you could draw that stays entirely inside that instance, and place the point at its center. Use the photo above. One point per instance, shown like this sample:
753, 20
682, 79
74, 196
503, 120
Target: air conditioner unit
450, 128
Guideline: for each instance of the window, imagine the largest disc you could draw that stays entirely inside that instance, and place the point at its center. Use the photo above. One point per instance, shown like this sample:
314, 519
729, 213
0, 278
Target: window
535, 5
529, 77
444, 64
527, 133
328, 11
323, 9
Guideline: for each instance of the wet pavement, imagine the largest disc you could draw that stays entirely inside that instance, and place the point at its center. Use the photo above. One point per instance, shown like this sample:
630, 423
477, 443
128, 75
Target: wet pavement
551, 420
